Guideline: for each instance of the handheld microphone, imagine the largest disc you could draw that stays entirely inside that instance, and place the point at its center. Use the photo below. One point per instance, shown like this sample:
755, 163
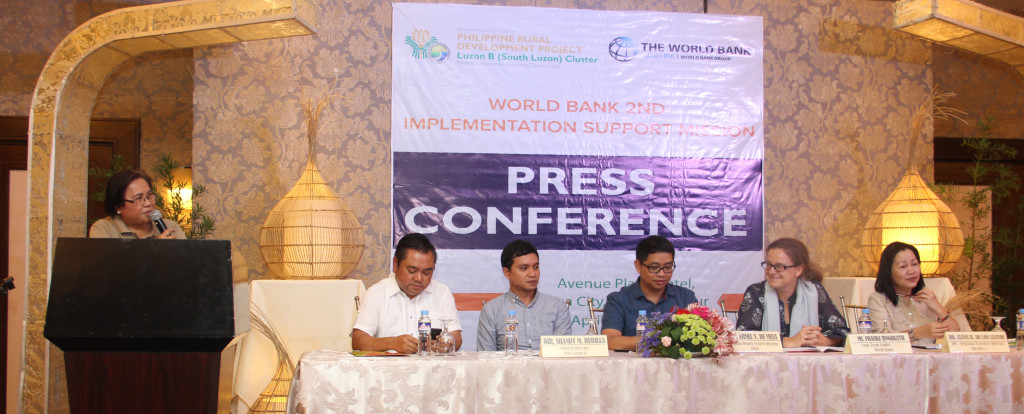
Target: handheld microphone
158, 220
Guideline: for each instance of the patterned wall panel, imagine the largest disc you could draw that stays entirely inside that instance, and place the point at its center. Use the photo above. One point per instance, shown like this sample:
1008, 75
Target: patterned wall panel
983, 87
834, 148
249, 144
840, 88
833, 145
156, 87
819, 56
29, 30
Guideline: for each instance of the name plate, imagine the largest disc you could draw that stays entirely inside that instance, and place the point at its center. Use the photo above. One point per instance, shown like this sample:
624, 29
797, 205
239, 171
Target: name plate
975, 342
878, 343
573, 346
757, 341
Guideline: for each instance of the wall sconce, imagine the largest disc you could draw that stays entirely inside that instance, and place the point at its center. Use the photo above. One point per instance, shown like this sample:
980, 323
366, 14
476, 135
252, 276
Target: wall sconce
966, 25
182, 187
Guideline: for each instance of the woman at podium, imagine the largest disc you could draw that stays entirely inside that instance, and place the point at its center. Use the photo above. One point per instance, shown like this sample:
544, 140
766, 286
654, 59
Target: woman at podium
791, 300
129, 202
901, 297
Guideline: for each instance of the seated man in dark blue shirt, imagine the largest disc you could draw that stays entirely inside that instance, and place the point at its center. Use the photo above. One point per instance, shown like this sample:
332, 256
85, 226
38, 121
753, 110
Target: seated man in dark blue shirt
655, 261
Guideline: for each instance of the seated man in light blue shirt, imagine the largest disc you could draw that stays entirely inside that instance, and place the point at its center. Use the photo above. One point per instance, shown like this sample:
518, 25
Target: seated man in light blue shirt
538, 314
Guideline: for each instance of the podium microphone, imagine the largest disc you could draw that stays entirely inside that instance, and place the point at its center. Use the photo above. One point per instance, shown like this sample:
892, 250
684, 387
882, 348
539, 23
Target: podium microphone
158, 220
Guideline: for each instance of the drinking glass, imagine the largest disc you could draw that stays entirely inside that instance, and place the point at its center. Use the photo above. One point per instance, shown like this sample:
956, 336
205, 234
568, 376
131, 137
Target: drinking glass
591, 326
445, 340
998, 320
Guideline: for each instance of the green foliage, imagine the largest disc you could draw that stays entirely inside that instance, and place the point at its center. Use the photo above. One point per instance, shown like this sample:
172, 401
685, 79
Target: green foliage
116, 165
196, 224
989, 177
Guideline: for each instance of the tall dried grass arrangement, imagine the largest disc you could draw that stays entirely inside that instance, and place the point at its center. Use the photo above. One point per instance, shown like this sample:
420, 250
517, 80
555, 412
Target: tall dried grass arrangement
932, 108
976, 304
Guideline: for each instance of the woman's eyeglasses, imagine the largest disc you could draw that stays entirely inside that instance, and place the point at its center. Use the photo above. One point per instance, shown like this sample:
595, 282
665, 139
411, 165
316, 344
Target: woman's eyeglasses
778, 267
142, 198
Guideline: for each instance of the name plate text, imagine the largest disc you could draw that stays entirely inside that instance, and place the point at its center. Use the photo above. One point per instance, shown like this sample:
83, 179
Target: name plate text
878, 343
975, 342
757, 341
573, 346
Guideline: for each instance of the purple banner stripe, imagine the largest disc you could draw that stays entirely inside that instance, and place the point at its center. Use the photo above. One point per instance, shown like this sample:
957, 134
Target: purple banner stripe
563, 202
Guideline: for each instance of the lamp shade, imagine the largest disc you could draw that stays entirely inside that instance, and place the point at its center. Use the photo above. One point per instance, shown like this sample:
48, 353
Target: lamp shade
311, 233
913, 214
966, 25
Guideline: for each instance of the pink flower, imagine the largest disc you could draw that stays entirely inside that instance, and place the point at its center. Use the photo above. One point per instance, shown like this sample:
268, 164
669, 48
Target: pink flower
666, 341
701, 311
720, 324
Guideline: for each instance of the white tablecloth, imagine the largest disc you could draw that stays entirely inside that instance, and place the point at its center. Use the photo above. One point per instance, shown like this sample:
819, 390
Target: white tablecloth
307, 314
336, 382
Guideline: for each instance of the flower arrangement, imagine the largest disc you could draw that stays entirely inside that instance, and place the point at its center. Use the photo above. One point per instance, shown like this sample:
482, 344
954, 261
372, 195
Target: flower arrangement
696, 330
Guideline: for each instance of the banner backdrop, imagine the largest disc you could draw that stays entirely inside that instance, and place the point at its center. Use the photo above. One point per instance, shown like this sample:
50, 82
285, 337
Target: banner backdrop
582, 132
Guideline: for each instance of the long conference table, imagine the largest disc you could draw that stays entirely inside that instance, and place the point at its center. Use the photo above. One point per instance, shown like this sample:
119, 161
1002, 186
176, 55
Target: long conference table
808, 382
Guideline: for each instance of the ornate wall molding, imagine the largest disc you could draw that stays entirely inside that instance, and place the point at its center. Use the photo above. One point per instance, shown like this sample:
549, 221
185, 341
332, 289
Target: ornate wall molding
59, 129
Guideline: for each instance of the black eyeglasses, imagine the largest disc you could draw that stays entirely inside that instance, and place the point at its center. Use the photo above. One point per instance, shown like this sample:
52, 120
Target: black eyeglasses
778, 267
657, 268
142, 198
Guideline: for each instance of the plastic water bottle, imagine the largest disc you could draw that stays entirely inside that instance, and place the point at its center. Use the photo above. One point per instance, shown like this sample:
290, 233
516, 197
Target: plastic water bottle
864, 321
424, 330
511, 334
1020, 330
641, 327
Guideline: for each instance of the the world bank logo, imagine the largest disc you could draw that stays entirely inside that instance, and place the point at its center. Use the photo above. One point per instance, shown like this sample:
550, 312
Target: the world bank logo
622, 49
425, 46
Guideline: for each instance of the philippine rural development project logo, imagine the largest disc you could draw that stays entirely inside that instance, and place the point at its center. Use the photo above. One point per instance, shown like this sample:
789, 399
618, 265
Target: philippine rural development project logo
488, 46
425, 46
625, 49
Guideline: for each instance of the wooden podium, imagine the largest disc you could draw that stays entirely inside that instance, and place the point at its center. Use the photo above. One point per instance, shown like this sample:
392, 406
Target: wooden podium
142, 323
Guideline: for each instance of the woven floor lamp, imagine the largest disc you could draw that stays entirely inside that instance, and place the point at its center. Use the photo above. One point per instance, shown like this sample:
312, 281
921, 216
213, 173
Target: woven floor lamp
311, 233
913, 214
